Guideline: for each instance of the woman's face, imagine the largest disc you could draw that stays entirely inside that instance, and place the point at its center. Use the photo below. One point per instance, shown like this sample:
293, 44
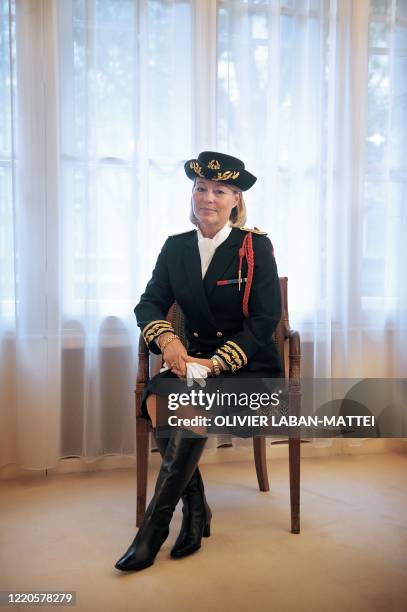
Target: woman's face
213, 202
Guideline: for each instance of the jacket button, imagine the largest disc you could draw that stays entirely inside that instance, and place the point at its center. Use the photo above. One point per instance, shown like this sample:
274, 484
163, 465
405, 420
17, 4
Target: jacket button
195, 335
219, 334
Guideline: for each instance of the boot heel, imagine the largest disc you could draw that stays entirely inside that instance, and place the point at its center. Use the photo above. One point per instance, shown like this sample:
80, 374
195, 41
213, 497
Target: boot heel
207, 531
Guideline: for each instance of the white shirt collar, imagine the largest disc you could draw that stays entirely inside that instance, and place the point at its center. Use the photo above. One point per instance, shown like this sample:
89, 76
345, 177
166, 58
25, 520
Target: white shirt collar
208, 246
218, 238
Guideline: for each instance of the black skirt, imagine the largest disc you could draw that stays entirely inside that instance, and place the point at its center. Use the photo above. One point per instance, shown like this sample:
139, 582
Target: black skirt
259, 381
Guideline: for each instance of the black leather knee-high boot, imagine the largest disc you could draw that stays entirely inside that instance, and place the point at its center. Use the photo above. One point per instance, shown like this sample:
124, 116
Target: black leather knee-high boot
196, 513
180, 461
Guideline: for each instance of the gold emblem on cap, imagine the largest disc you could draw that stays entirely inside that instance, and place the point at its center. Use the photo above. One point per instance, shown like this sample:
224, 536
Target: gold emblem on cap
225, 176
214, 164
196, 168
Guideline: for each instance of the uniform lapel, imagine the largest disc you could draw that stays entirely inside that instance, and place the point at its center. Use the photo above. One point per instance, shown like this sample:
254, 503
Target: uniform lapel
222, 259
192, 264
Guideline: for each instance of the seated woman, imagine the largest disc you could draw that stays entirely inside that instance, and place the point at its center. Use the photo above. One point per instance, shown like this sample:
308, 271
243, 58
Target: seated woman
224, 278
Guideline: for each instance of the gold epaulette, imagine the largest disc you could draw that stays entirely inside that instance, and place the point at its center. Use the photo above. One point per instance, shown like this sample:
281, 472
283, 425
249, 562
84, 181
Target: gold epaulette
182, 233
255, 230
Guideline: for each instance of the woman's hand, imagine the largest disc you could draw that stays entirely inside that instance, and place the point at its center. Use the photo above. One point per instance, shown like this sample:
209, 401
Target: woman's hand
174, 355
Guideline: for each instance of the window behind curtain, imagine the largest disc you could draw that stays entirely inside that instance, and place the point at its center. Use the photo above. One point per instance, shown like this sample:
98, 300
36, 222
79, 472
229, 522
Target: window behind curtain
273, 78
273, 60
125, 70
7, 158
385, 194
126, 94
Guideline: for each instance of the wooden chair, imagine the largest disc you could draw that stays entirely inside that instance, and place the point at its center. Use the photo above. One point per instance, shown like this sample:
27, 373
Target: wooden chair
288, 345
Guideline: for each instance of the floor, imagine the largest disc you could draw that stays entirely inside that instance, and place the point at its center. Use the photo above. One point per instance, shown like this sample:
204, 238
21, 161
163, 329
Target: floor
65, 532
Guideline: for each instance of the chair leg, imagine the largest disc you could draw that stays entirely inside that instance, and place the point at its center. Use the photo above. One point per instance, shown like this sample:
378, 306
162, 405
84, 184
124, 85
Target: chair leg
142, 440
294, 452
259, 447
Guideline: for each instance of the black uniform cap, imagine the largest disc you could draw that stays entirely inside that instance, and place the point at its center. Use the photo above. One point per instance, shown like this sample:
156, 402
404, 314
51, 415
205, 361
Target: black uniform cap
220, 167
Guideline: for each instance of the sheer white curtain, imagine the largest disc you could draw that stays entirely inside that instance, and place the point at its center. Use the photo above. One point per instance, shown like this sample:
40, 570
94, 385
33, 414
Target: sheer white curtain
125, 100
102, 101
314, 95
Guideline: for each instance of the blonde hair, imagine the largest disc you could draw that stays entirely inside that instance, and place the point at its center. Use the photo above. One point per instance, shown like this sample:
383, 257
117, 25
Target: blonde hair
238, 214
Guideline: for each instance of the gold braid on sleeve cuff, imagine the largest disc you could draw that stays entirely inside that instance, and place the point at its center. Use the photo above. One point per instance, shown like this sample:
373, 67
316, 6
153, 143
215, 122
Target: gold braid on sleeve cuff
232, 354
154, 329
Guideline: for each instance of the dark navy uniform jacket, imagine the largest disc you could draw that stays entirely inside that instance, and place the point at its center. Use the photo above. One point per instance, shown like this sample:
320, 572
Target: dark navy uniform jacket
213, 313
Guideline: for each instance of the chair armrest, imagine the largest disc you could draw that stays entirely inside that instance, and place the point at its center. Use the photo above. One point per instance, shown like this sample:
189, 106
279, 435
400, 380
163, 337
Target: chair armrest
294, 383
294, 354
142, 372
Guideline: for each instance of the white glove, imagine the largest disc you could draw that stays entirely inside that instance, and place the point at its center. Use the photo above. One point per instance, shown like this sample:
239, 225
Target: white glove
195, 371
